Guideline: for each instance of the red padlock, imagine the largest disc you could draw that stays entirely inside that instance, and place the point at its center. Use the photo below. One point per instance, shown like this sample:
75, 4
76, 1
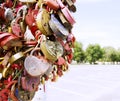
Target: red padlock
30, 21
70, 57
2, 11
66, 12
52, 4
16, 29
9, 3
30, 83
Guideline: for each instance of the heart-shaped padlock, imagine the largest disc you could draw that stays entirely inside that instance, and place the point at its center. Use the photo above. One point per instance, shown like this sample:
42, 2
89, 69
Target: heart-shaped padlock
36, 66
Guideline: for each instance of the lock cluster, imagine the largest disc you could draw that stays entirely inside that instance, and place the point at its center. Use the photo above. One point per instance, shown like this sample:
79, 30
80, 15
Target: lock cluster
36, 45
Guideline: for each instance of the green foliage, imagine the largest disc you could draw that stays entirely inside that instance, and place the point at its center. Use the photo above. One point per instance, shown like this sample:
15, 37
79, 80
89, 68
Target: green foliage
93, 53
78, 52
110, 54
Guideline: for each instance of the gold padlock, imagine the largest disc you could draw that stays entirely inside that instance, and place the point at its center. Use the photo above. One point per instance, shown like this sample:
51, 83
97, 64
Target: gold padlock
51, 50
42, 21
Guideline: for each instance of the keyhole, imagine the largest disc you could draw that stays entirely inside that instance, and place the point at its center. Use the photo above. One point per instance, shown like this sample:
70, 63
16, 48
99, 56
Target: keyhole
33, 86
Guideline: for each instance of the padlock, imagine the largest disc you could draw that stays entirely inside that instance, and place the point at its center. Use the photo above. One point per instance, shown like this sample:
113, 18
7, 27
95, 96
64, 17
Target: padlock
9, 15
8, 3
51, 50
16, 28
71, 40
52, 4
71, 5
58, 29
66, 12
24, 95
2, 12
29, 18
69, 57
60, 61
36, 65
64, 21
42, 21
22, 13
30, 83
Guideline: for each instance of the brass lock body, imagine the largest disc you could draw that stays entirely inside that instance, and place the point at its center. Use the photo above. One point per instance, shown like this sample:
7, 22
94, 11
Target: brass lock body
51, 50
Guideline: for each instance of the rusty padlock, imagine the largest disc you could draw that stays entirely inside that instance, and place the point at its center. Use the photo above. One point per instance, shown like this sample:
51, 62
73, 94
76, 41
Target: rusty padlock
16, 28
36, 65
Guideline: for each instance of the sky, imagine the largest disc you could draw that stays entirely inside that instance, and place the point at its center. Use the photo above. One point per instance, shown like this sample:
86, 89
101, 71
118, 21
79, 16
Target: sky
97, 22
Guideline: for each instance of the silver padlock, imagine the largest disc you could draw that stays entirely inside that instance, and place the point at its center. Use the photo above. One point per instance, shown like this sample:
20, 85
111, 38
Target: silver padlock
9, 15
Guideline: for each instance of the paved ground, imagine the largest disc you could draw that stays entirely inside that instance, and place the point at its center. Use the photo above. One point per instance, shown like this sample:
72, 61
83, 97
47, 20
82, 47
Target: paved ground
84, 83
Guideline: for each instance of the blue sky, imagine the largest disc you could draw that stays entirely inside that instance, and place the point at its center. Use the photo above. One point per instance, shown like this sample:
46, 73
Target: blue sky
98, 21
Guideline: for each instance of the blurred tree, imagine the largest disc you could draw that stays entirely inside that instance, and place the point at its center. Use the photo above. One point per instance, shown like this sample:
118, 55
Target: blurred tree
93, 53
79, 55
110, 54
